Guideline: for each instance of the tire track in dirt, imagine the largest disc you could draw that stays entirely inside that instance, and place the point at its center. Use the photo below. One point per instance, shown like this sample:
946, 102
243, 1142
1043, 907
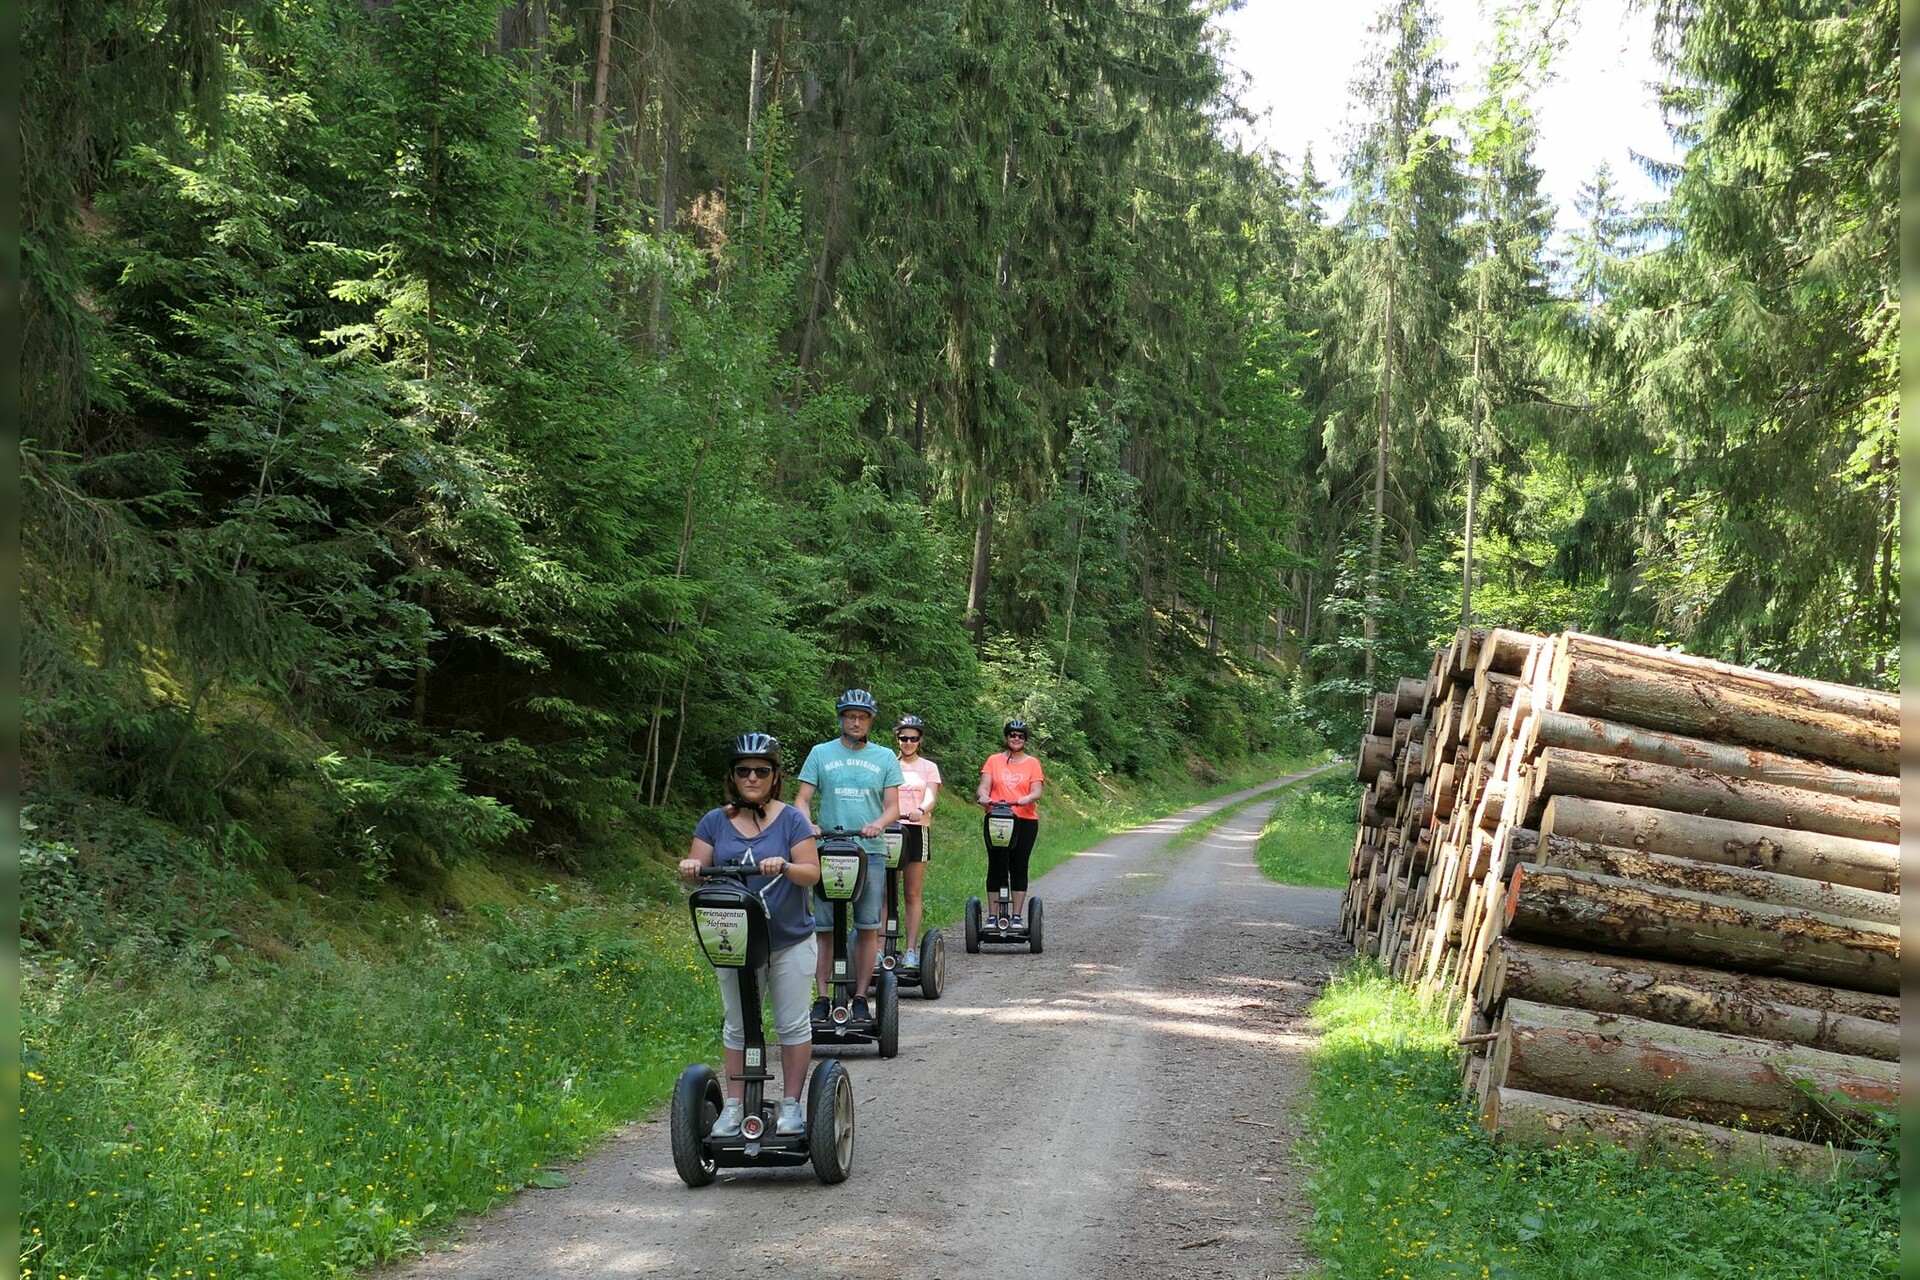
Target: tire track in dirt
1124, 1103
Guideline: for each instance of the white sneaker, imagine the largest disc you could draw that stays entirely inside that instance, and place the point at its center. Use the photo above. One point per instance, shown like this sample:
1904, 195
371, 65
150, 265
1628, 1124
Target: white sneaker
792, 1122
728, 1125
911, 960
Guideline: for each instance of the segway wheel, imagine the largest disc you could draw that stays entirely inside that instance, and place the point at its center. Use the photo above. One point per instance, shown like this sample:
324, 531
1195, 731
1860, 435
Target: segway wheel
696, 1105
830, 1121
1033, 925
973, 926
933, 964
887, 1014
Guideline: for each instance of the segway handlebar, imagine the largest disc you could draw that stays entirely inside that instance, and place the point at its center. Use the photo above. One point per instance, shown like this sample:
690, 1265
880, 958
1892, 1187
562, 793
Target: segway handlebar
731, 871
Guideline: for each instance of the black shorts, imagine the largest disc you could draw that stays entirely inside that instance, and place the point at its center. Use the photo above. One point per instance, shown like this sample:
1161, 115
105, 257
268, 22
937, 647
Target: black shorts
913, 844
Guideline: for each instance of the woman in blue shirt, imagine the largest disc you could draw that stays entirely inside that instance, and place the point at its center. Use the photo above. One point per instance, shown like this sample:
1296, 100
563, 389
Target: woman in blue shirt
756, 826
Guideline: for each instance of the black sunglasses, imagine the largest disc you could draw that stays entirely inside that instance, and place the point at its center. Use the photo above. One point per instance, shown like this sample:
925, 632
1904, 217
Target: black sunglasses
752, 771
1015, 733
904, 738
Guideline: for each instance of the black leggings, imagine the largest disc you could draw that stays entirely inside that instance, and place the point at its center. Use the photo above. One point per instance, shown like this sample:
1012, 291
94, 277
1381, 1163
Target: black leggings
1013, 858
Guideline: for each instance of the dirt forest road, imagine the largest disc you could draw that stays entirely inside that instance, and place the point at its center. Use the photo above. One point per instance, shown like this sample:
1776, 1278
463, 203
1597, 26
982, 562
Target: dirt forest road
1124, 1104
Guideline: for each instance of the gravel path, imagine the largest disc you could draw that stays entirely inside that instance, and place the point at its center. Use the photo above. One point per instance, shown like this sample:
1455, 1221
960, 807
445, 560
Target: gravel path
1124, 1104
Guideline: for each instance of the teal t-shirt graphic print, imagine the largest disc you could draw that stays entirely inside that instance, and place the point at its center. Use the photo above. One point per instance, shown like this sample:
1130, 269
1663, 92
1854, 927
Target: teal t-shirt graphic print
852, 786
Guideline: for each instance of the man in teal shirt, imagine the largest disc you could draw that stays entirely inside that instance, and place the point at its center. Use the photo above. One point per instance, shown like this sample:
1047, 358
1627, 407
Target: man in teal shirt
859, 787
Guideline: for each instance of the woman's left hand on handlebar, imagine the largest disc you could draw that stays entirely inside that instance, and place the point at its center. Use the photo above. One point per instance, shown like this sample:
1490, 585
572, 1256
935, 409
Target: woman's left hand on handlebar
772, 866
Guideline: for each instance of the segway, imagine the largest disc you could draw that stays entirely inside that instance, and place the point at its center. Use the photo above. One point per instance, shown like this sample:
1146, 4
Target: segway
843, 872
998, 927
730, 922
931, 973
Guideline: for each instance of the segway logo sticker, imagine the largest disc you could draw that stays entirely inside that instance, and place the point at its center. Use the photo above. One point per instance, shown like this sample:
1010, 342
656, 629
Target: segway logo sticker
839, 874
723, 935
1000, 830
895, 841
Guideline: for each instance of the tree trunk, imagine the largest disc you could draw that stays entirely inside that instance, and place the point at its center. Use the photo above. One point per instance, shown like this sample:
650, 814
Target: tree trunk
602, 71
423, 663
1306, 620
1681, 694
1802, 1013
1602, 737
1371, 618
1873, 705
1866, 864
1473, 456
539, 99
1504, 652
1492, 694
1536, 1119
1409, 696
1211, 576
662, 333
753, 95
1376, 754
1844, 901
1381, 723
817, 298
982, 559
1562, 772
1604, 911
680, 720
1696, 1075
1076, 481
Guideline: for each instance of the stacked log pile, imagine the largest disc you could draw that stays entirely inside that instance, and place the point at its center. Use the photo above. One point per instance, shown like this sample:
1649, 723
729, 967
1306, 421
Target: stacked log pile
1663, 891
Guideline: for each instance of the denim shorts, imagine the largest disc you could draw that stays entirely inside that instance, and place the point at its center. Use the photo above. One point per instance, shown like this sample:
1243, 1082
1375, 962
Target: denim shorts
866, 905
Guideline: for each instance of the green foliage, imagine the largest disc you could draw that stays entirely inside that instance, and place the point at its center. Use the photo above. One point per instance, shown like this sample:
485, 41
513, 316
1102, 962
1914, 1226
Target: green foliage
1740, 449
324, 1114
1404, 1179
1419, 619
380, 802
112, 886
1308, 838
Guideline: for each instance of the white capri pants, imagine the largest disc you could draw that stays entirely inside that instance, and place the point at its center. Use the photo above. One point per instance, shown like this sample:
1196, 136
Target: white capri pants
789, 975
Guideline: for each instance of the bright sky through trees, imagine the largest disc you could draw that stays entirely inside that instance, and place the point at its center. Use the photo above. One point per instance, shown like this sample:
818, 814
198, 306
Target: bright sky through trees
1301, 57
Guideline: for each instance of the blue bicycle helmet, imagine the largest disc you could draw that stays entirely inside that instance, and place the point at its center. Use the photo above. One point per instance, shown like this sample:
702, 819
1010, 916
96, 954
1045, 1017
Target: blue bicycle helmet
856, 700
1015, 725
756, 746
911, 722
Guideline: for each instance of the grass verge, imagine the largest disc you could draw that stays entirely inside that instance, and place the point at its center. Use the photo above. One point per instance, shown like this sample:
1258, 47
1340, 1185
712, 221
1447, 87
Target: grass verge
1405, 1184
1308, 839
329, 1108
317, 1116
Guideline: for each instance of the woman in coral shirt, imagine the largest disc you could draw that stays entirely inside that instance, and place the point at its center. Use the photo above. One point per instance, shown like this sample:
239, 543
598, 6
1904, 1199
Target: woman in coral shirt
1012, 777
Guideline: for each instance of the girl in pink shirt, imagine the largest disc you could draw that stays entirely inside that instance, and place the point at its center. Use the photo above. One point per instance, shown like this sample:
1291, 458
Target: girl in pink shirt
919, 788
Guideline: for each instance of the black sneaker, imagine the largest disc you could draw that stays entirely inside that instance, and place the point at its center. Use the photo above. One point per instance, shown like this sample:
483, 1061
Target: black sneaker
860, 1010
822, 1010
